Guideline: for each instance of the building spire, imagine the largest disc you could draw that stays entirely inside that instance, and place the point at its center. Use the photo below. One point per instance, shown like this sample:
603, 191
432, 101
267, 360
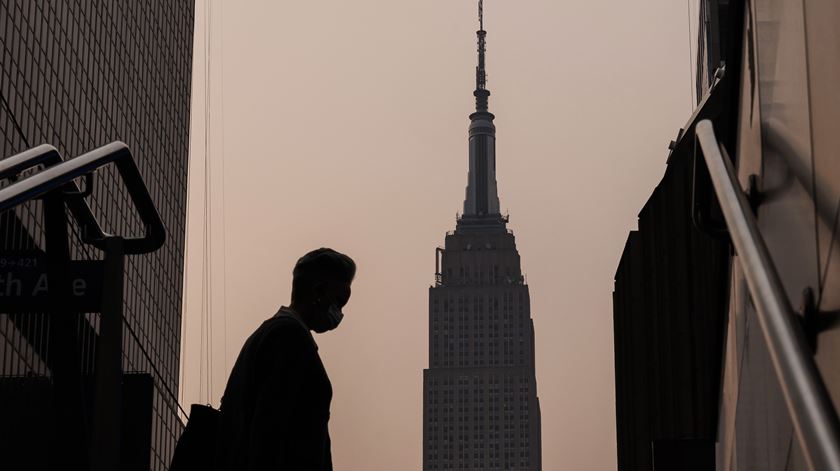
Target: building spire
481, 93
481, 205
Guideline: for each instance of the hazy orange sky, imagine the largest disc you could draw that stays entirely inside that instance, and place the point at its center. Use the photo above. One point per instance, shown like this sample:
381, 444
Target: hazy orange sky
344, 124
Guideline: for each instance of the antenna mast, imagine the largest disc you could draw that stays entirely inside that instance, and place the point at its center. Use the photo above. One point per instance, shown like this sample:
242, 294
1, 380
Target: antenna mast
481, 93
481, 73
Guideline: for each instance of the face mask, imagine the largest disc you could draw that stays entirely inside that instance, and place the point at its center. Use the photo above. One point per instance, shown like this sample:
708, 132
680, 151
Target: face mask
334, 317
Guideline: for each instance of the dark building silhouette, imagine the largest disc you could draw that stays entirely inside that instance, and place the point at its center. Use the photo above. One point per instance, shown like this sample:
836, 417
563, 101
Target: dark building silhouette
670, 295
480, 404
698, 379
79, 74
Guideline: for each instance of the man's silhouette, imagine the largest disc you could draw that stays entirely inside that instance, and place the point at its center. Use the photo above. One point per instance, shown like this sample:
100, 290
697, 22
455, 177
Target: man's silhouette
276, 405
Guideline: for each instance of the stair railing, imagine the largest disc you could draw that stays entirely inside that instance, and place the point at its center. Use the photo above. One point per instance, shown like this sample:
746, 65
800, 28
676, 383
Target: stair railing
65, 173
809, 405
56, 185
47, 155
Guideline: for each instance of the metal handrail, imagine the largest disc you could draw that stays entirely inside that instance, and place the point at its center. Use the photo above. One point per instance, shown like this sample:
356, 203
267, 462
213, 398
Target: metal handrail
48, 156
64, 173
809, 404
44, 154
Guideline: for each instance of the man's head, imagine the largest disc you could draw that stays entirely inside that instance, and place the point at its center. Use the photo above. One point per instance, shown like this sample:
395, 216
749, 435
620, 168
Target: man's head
321, 287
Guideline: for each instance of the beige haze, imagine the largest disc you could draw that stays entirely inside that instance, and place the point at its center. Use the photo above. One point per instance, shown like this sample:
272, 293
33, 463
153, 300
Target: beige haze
343, 124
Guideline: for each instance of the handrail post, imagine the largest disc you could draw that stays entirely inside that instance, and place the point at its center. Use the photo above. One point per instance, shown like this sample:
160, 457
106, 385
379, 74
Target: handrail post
63, 352
105, 445
809, 404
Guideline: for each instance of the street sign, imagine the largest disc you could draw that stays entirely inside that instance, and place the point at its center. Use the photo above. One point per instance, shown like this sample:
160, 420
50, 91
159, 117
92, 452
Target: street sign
29, 284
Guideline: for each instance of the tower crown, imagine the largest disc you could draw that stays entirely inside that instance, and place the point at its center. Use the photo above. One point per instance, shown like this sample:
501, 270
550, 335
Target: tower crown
481, 205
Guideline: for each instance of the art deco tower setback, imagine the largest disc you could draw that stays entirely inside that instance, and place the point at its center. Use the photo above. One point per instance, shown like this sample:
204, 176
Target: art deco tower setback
480, 404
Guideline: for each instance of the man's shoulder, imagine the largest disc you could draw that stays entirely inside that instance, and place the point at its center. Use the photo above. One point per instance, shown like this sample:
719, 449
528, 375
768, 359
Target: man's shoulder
281, 325
283, 330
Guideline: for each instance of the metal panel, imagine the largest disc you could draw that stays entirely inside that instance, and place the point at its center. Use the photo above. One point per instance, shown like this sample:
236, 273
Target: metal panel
823, 60
823, 40
786, 217
763, 431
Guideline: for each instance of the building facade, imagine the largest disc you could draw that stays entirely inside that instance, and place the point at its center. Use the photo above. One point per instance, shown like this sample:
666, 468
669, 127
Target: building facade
698, 377
480, 404
77, 75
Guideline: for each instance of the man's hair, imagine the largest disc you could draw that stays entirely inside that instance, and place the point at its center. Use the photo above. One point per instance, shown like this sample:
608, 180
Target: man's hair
318, 266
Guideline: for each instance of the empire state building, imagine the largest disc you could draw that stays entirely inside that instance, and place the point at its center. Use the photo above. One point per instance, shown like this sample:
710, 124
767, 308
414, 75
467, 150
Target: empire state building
480, 404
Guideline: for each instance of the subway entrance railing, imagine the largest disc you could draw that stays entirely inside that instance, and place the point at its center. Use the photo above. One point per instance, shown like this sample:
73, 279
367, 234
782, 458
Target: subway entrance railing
86, 413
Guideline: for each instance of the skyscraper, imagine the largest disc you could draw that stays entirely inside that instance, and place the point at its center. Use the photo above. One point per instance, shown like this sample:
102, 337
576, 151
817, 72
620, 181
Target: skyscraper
480, 404
77, 75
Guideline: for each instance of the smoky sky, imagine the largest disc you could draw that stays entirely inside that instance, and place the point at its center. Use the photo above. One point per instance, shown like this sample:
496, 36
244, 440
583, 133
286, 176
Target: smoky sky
344, 124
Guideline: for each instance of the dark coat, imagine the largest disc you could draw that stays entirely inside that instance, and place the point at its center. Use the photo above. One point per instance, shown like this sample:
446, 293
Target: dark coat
276, 405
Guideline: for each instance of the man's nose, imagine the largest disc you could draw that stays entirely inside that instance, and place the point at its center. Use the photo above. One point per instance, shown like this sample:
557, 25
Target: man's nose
345, 298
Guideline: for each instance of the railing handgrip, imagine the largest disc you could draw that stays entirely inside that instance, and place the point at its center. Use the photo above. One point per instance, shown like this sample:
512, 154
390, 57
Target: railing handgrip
61, 174
48, 156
